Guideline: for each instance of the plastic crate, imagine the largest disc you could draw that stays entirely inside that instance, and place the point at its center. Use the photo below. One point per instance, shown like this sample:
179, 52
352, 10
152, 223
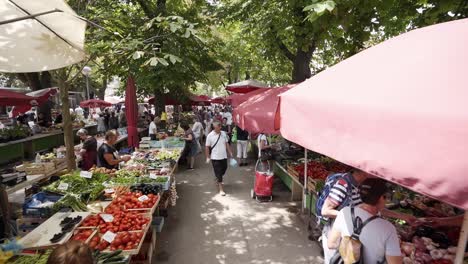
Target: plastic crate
29, 209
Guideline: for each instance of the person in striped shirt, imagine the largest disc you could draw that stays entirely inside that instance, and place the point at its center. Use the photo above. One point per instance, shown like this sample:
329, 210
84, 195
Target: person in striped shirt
339, 197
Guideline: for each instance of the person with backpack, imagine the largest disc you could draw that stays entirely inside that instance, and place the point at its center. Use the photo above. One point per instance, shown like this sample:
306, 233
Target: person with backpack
359, 232
341, 190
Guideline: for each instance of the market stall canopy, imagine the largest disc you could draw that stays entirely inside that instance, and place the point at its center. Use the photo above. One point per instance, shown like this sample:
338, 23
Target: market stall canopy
200, 100
257, 114
39, 35
218, 100
8, 98
236, 99
114, 99
131, 113
397, 110
42, 96
94, 103
245, 86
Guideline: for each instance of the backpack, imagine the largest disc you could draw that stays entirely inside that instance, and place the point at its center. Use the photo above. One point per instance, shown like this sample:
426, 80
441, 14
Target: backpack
351, 249
323, 195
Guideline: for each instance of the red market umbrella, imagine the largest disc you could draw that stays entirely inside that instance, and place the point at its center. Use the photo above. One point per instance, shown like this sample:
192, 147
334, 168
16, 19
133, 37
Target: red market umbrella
131, 112
236, 99
397, 110
257, 114
245, 86
9, 98
93, 103
218, 100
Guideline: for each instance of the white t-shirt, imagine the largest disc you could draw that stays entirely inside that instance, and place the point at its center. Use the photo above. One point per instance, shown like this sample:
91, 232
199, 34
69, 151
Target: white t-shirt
197, 129
79, 111
228, 116
219, 152
378, 237
259, 139
152, 127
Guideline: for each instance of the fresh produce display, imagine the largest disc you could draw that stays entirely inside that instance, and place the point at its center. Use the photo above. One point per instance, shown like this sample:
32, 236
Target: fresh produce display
131, 171
121, 221
123, 241
132, 200
75, 184
146, 188
67, 225
115, 257
82, 235
70, 201
40, 258
102, 170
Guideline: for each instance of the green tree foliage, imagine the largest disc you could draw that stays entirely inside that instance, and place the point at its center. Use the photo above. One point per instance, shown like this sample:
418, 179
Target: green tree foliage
309, 35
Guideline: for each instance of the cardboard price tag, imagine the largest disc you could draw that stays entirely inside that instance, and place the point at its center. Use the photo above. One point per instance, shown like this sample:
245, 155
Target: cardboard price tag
153, 176
86, 174
143, 198
110, 190
109, 236
63, 186
108, 218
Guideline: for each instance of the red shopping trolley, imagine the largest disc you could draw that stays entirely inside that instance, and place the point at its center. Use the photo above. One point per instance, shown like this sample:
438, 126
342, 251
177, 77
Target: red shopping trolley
263, 182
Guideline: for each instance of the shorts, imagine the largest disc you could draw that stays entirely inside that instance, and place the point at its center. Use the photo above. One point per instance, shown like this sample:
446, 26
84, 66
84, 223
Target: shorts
219, 167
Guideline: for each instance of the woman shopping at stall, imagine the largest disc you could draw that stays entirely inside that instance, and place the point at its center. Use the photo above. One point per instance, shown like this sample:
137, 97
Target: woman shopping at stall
108, 157
191, 145
88, 150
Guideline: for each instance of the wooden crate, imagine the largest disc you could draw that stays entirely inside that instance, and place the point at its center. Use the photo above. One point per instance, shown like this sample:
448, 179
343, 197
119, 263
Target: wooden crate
36, 168
291, 171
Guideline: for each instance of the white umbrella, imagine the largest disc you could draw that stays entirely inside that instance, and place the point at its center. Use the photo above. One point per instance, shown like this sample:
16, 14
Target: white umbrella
39, 35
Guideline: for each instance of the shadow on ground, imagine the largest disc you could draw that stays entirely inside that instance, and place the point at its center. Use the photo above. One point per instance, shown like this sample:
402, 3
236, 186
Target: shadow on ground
207, 228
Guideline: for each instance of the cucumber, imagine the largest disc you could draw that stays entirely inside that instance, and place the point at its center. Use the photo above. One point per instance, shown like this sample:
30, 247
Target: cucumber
114, 259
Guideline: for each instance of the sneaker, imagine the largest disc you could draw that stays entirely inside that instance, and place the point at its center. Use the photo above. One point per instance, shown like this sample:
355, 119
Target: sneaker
222, 193
190, 169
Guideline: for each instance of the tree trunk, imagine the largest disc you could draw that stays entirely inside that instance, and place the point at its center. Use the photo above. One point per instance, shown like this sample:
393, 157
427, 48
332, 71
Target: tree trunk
46, 80
67, 124
301, 66
159, 102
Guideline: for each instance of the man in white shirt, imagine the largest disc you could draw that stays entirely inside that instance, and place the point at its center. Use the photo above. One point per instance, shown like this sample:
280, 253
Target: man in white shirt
197, 129
376, 248
218, 142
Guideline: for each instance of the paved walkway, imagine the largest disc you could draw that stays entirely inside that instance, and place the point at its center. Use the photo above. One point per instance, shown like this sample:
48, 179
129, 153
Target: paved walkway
207, 228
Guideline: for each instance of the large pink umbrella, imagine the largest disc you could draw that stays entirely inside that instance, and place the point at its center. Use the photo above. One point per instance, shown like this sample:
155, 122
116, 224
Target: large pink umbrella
131, 113
200, 100
236, 99
257, 114
397, 110
245, 86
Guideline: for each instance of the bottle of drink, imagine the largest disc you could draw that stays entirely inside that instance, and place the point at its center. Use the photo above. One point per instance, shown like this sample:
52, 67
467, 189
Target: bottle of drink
38, 158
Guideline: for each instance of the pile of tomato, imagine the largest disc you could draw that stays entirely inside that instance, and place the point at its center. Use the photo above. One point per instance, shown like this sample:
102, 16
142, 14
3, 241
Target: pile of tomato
124, 222
315, 170
82, 235
130, 200
123, 241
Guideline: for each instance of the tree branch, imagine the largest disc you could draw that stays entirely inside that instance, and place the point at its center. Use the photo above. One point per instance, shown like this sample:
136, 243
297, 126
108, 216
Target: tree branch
282, 46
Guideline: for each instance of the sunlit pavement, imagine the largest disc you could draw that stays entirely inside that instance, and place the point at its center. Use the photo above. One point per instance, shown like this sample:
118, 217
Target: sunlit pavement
208, 228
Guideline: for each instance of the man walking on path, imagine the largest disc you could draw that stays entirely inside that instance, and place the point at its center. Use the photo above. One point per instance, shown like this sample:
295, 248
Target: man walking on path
216, 149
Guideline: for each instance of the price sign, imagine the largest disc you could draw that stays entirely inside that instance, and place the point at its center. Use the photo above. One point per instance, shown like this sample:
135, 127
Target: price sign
110, 190
153, 176
63, 186
109, 236
107, 218
143, 198
86, 174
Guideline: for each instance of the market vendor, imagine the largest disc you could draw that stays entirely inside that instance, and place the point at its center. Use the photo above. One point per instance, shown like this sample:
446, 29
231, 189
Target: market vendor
88, 150
108, 157
42, 121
